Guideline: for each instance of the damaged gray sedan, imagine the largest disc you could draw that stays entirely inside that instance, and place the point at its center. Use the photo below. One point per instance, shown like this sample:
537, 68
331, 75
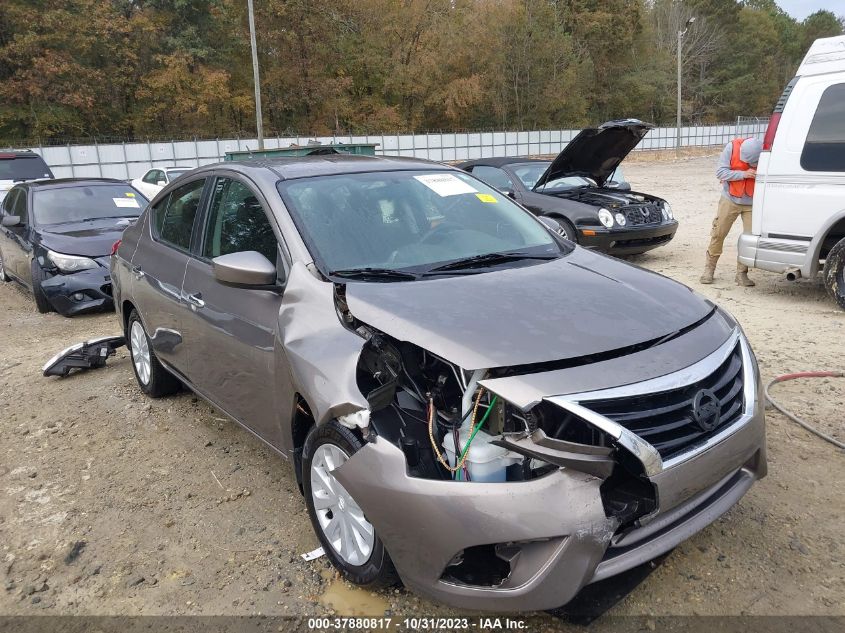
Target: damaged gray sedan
471, 403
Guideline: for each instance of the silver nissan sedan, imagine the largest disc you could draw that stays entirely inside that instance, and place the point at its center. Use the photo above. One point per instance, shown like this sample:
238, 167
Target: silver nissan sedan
472, 404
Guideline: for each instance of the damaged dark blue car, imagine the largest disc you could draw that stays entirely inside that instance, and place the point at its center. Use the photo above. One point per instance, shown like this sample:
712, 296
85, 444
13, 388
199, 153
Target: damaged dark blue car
56, 237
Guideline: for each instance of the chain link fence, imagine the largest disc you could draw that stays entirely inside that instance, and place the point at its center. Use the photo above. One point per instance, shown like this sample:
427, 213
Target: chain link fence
126, 160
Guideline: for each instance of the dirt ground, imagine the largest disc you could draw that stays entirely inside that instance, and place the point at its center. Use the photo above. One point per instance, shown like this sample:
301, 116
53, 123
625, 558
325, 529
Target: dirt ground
112, 503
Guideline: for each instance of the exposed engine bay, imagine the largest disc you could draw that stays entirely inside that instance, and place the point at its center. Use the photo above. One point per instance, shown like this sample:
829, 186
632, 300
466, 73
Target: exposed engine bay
451, 428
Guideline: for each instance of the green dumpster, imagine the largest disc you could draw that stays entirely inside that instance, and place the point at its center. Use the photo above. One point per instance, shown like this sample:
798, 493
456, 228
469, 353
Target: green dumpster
360, 149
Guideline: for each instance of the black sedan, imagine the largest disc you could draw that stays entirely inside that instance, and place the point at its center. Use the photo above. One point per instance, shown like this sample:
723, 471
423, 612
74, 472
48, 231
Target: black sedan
579, 191
56, 237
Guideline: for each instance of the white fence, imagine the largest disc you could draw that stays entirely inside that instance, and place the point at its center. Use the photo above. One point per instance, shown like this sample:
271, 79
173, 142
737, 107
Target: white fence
131, 160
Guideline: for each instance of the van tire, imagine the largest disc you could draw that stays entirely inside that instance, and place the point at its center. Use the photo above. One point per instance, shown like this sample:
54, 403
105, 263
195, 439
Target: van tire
834, 273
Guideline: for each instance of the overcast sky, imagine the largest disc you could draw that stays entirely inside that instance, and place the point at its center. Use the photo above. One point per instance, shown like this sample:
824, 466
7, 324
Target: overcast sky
800, 9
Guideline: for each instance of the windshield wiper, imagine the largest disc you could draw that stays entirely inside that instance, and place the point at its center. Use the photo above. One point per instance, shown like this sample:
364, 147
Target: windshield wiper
373, 273
478, 261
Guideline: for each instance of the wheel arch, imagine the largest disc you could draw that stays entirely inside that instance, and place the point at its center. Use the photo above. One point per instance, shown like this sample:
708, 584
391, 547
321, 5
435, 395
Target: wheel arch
820, 244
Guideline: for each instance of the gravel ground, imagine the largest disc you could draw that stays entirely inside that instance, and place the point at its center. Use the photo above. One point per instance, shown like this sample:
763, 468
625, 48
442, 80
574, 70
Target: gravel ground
111, 503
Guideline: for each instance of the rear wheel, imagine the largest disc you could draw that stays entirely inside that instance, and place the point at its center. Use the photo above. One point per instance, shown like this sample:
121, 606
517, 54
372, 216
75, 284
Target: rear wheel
39, 275
348, 538
152, 377
834, 273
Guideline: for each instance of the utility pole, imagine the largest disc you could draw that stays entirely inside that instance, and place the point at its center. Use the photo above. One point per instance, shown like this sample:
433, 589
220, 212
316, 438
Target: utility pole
259, 122
679, 53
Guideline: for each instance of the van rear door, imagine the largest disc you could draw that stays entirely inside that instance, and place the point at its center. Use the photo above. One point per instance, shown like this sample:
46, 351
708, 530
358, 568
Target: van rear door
803, 177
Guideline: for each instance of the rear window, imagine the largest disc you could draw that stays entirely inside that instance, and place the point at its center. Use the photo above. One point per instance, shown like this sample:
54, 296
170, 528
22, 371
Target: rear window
86, 202
13, 167
824, 149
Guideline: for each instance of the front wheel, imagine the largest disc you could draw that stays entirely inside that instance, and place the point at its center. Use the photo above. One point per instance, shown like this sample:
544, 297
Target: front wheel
39, 275
565, 230
834, 273
348, 538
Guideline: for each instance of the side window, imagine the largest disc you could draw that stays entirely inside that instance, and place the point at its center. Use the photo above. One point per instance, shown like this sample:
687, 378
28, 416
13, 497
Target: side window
237, 222
175, 222
824, 149
150, 177
494, 177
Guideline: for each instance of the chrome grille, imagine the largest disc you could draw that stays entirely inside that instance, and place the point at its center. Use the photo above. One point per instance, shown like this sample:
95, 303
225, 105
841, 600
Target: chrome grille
665, 419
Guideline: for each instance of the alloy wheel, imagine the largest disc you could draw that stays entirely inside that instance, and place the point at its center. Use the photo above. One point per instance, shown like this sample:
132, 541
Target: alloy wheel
341, 519
140, 352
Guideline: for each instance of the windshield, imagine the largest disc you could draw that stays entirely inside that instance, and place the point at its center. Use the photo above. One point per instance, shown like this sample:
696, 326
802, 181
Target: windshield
87, 202
529, 174
23, 168
409, 220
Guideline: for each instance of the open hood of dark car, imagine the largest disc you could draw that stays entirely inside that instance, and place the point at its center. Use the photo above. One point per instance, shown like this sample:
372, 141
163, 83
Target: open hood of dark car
596, 152
579, 305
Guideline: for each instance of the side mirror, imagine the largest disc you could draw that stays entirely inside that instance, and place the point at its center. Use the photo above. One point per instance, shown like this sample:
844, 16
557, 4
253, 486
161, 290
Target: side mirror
509, 193
246, 269
11, 220
160, 183
621, 185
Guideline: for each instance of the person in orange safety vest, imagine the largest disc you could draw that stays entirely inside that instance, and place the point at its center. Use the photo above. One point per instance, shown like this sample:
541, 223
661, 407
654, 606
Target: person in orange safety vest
737, 169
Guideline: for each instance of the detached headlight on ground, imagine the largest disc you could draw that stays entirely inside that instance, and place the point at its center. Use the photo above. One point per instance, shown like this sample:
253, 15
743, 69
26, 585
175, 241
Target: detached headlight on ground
70, 263
667, 211
606, 218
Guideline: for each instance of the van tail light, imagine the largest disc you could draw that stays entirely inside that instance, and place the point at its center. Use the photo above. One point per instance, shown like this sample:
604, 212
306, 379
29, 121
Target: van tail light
769, 138
115, 246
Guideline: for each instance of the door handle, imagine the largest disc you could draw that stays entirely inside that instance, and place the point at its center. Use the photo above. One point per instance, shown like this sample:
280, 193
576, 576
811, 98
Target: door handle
195, 301
136, 270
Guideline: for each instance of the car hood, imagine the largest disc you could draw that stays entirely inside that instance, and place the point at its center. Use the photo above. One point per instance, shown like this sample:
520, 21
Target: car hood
90, 239
596, 152
579, 305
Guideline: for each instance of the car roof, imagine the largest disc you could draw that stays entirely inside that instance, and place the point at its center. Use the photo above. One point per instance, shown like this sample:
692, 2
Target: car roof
326, 165
50, 183
501, 161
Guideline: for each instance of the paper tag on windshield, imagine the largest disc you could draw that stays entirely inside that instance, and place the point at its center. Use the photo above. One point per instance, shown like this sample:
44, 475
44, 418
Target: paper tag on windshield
129, 203
445, 184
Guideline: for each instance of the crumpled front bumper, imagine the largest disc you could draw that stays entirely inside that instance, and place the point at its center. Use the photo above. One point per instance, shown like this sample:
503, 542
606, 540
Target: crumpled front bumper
94, 285
554, 528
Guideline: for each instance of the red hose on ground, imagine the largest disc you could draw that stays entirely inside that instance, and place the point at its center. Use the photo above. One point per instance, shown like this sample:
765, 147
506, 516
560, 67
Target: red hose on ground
795, 418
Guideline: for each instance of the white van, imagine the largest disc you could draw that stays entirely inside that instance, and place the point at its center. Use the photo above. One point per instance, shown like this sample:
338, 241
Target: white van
798, 217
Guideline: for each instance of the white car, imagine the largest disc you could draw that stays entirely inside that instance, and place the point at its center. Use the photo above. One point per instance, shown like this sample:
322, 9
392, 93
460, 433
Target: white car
152, 182
798, 216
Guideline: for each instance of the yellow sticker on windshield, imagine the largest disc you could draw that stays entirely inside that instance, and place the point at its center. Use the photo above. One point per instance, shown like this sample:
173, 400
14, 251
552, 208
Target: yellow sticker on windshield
486, 197
130, 195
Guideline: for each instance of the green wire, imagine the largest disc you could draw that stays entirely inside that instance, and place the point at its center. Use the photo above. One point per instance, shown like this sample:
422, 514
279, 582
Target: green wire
475, 431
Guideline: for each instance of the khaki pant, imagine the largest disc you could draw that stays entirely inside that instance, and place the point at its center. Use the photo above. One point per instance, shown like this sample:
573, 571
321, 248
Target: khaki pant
726, 215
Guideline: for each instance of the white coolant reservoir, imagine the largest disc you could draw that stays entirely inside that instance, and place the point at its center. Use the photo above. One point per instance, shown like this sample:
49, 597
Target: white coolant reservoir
485, 461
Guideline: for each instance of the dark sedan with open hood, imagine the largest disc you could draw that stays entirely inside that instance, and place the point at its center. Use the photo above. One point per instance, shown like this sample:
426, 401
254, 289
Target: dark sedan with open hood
56, 237
578, 190
471, 403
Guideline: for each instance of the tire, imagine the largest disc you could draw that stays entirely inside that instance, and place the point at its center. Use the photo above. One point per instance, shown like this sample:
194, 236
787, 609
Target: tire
3, 276
153, 379
566, 231
834, 273
38, 275
372, 568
